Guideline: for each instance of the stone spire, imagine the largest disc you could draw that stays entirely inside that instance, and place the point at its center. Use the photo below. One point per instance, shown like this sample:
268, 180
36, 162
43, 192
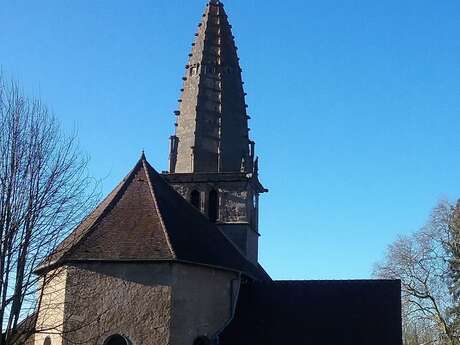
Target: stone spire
212, 132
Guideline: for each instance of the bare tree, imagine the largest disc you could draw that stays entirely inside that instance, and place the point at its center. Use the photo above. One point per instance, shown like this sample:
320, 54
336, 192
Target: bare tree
446, 221
421, 262
454, 267
44, 192
419, 332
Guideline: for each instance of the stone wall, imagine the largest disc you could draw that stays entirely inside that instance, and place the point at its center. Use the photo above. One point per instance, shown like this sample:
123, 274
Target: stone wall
133, 300
235, 199
50, 319
203, 299
237, 205
246, 239
148, 303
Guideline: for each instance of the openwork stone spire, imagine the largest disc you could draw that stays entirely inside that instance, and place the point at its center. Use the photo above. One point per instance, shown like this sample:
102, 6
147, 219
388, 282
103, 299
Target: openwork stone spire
212, 124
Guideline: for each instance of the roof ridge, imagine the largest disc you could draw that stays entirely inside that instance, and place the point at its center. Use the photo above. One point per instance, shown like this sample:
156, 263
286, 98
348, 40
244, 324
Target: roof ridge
68, 244
331, 281
109, 206
155, 203
254, 274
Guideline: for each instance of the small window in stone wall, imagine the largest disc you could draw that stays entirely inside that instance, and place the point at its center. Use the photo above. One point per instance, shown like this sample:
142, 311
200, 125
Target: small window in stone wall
117, 339
195, 199
194, 69
47, 341
213, 210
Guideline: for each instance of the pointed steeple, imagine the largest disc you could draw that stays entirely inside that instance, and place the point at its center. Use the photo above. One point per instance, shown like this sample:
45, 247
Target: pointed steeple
212, 132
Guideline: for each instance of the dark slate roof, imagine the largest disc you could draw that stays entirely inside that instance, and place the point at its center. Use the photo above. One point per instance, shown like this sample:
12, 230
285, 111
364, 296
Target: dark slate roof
145, 219
317, 312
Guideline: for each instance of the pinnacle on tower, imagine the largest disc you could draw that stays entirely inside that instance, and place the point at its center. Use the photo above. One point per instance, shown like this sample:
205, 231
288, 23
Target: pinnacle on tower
212, 123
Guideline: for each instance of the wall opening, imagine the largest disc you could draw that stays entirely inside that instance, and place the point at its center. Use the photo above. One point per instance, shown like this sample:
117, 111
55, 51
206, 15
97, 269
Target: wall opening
117, 339
47, 341
195, 199
213, 210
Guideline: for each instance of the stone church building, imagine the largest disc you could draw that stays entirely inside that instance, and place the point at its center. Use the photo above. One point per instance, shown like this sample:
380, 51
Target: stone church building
172, 258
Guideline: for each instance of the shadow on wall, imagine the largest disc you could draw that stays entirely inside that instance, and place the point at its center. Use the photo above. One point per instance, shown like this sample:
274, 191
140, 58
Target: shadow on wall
154, 274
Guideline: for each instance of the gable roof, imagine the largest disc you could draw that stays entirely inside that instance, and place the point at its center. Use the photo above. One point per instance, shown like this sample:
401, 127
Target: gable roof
359, 312
145, 219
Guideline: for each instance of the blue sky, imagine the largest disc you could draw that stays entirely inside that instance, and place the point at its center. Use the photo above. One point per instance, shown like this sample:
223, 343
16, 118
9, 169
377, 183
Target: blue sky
355, 107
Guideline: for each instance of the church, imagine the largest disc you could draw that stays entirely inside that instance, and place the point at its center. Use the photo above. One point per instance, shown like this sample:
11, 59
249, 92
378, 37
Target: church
171, 258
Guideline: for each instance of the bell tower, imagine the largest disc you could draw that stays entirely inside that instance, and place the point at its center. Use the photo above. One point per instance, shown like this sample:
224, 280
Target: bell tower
212, 159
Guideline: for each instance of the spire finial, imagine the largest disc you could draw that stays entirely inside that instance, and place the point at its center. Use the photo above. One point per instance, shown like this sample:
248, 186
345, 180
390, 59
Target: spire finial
143, 155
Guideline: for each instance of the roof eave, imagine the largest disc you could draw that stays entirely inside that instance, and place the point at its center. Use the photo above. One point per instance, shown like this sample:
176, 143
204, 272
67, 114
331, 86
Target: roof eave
51, 266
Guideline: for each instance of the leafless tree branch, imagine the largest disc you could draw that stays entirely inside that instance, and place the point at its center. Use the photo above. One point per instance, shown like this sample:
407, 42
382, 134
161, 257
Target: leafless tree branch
44, 192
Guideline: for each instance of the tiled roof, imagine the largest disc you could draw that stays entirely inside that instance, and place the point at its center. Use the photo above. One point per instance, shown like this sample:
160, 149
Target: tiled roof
366, 312
145, 219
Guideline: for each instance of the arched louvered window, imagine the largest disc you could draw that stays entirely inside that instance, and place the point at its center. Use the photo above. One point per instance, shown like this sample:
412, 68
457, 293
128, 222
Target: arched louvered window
213, 210
117, 339
195, 199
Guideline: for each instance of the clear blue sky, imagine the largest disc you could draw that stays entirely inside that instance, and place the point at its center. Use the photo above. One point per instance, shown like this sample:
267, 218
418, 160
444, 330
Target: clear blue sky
355, 107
